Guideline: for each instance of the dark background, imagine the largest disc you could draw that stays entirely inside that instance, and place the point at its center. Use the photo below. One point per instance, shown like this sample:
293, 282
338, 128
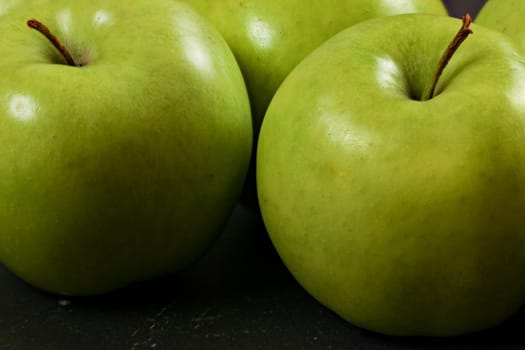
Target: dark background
239, 296
458, 8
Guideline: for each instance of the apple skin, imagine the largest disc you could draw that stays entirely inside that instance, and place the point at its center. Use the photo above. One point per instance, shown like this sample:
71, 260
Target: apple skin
504, 16
404, 217
270, 37
127, 168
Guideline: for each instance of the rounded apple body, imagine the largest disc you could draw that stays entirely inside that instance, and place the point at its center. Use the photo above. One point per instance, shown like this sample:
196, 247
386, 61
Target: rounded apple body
126, 168
506, 17
403, 216
270, 37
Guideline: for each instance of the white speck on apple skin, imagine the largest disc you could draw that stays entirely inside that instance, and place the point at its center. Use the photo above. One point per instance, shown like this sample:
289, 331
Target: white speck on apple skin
388, 74
197, 53
261, 32
399, 6
22, 107
102, 18
64, 19
5, 6
516, 93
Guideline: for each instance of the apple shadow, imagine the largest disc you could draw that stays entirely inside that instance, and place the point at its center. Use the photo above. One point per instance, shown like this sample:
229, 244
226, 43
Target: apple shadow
241, 260
507, 335
239, 295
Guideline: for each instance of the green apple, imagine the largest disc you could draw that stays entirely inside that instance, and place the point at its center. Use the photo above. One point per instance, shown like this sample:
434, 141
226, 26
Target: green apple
270, 37
505, 16
126, 166
403, 214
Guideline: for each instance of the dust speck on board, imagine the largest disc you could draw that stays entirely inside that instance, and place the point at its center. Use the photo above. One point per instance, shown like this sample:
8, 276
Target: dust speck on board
63, 302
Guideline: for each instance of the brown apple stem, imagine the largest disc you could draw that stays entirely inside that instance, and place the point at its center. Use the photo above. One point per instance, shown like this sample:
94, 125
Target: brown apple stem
44, 30
462, 34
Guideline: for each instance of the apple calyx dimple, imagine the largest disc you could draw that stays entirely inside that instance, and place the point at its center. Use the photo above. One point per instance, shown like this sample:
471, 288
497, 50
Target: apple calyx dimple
462, 34
44, 30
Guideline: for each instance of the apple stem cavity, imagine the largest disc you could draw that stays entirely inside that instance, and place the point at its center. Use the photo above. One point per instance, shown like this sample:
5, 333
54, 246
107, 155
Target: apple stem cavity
460, 37
44, 30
